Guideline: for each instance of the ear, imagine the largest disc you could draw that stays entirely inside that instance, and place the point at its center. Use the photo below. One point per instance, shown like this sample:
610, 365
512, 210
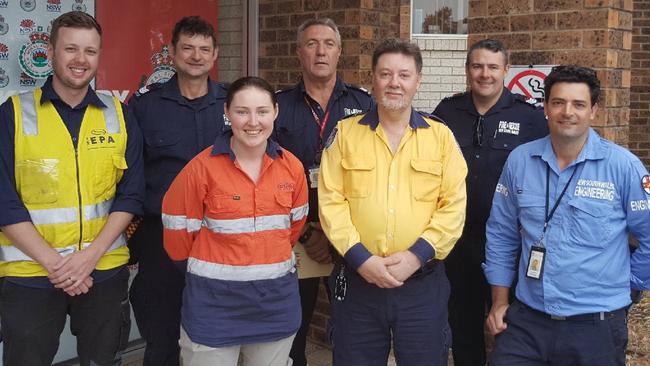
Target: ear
594, 110
216, 54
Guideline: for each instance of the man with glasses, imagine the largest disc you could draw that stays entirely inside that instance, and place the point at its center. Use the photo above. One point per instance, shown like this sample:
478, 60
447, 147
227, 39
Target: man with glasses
562, 214
488, 122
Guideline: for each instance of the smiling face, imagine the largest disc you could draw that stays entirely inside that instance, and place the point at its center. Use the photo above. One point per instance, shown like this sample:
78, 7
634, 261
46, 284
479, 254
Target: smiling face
319, 53
569, 112
251, 113
395, 81
485, 72
194, 56
75, 58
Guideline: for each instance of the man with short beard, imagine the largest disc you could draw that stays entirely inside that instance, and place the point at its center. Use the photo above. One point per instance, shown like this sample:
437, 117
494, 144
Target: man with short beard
392, 202
70, 182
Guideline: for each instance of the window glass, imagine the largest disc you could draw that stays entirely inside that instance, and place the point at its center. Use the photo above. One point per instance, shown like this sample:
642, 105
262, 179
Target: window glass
439, 16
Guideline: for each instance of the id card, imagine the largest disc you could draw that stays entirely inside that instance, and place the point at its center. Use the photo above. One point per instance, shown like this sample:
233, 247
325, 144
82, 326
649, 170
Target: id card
535, 262
313, 176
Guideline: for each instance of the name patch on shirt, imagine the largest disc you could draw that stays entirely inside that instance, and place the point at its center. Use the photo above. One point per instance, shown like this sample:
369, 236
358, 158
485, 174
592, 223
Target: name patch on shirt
595, 189
511, 128
286, 187
640, 205
502, 189
351, 111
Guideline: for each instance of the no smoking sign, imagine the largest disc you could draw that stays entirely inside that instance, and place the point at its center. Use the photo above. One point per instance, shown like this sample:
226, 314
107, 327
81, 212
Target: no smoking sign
528, 80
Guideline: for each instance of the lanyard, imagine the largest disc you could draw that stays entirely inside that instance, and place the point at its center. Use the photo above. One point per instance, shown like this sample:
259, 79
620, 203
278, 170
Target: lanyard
321, 123
547, 216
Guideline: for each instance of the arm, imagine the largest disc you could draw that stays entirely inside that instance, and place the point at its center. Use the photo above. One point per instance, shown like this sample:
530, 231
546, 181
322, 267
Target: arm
334, 213
497, 313
300, 205
638, 222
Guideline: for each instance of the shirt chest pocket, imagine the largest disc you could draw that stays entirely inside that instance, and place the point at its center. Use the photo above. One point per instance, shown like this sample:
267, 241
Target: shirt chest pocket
588, 224
426, 177
359, 176
224, 206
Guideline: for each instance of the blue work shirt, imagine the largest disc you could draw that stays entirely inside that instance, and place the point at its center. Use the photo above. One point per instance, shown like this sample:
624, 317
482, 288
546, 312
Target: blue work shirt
297, 130
588, 267
129, 194
175, 130
512, 121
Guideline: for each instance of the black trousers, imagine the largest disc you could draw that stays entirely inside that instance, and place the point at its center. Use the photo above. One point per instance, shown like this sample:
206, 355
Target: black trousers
33, 319
156, 295
468, 301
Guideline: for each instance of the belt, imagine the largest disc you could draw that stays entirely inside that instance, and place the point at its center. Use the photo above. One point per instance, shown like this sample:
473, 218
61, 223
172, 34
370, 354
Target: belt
601, 315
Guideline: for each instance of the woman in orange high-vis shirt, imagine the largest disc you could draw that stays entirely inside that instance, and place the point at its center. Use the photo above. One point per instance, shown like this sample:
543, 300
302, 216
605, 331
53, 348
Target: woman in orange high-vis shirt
230, 218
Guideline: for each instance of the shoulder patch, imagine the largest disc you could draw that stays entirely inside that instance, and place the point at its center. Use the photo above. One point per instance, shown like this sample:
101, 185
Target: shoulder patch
331, 137
530, 101
147, 88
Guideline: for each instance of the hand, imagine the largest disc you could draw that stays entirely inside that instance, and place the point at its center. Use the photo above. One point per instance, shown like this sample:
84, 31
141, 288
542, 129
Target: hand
74, 269
83, 288
317, 247
407, 265
375, 271
495, 318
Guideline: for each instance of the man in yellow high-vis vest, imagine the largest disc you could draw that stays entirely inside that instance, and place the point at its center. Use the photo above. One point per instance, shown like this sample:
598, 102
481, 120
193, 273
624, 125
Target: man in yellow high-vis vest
70, 182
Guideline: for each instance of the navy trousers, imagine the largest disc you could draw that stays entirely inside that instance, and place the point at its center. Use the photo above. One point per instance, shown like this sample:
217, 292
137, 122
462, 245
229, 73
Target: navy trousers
413, 318
534, 338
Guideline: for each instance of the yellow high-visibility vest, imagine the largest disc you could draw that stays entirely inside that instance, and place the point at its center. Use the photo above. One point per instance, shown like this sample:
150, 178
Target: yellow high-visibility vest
68, 192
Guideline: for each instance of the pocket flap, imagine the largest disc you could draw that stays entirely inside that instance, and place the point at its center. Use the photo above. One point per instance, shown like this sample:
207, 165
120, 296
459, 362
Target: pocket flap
527, 200
162, 139
594, 209
357, 163
284, 198
120, 162
427, 166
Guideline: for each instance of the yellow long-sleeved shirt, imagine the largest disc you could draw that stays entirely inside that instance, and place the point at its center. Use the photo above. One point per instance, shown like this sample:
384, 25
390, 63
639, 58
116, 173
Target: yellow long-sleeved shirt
372, 201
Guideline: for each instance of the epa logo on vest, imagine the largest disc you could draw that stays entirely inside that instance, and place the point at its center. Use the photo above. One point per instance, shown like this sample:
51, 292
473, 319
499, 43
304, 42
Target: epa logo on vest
100, 139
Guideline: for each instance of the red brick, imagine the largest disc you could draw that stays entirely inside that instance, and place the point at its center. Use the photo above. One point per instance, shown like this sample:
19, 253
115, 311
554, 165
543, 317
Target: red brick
583, 19
489, 25
555, 40
534, 22
477, 8
554, 5
504, 7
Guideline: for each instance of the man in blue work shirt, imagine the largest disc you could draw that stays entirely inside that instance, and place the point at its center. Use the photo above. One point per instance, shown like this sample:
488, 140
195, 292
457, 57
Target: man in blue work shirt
560, 219
308, 113
178, 119
488, 121
70, 182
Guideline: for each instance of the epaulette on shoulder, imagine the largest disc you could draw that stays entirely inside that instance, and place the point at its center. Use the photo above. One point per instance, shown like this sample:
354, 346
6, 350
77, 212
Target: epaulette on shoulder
286, 90
147, 88
355, 87
529, 101
455, 96
354, 115
224, 86
432, 117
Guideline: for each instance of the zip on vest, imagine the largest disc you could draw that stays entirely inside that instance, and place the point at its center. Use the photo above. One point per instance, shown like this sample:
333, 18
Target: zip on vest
81, 213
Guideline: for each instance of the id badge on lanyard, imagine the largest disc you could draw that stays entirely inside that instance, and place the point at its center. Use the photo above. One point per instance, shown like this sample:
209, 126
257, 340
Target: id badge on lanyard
314, 170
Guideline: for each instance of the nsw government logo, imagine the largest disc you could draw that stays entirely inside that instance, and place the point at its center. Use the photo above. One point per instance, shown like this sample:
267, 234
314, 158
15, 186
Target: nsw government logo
79, 5
4, 78
163, 67
4, 52
33, 56
53, 6
4, 27
28, 5
26, 80
27, 26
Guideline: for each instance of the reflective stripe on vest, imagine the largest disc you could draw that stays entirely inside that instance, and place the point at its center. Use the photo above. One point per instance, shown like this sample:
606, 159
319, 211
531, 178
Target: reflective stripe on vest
13, 254
66, 215
248, 224
180, 222
299, 213
226, 272
30, 125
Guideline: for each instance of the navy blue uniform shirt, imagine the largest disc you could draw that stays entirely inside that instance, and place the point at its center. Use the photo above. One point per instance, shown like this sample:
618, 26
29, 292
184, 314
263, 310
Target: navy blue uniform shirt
175, 130
297, 130
129, 193
512, 121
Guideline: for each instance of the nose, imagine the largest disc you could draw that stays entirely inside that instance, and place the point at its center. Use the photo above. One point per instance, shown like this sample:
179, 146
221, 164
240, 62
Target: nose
320, 49
195, 54
394, 81
568, 109
485, 72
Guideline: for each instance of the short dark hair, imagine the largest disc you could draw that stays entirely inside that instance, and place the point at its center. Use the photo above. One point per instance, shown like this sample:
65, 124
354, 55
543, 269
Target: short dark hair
573, 74
488, 44
327, 22
73, 19
394, 45
191, 26
249, 82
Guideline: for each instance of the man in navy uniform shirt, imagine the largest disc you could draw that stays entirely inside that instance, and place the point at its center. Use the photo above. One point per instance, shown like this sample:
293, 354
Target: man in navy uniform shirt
308, 113
488, 122
178, 118
561, 218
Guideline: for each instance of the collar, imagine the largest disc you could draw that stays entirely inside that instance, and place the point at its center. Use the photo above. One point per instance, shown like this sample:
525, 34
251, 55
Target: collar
222, 146
593, 149
506, 100
372, 119
339, 88
49, 94
171, 90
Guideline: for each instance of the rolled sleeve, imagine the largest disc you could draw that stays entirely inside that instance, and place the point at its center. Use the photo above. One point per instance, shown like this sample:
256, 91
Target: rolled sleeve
129, 193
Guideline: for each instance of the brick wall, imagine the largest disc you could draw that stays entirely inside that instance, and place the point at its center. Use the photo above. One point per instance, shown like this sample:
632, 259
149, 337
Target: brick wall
230, 40
362, 23
640, 84
594, 33
443, 70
